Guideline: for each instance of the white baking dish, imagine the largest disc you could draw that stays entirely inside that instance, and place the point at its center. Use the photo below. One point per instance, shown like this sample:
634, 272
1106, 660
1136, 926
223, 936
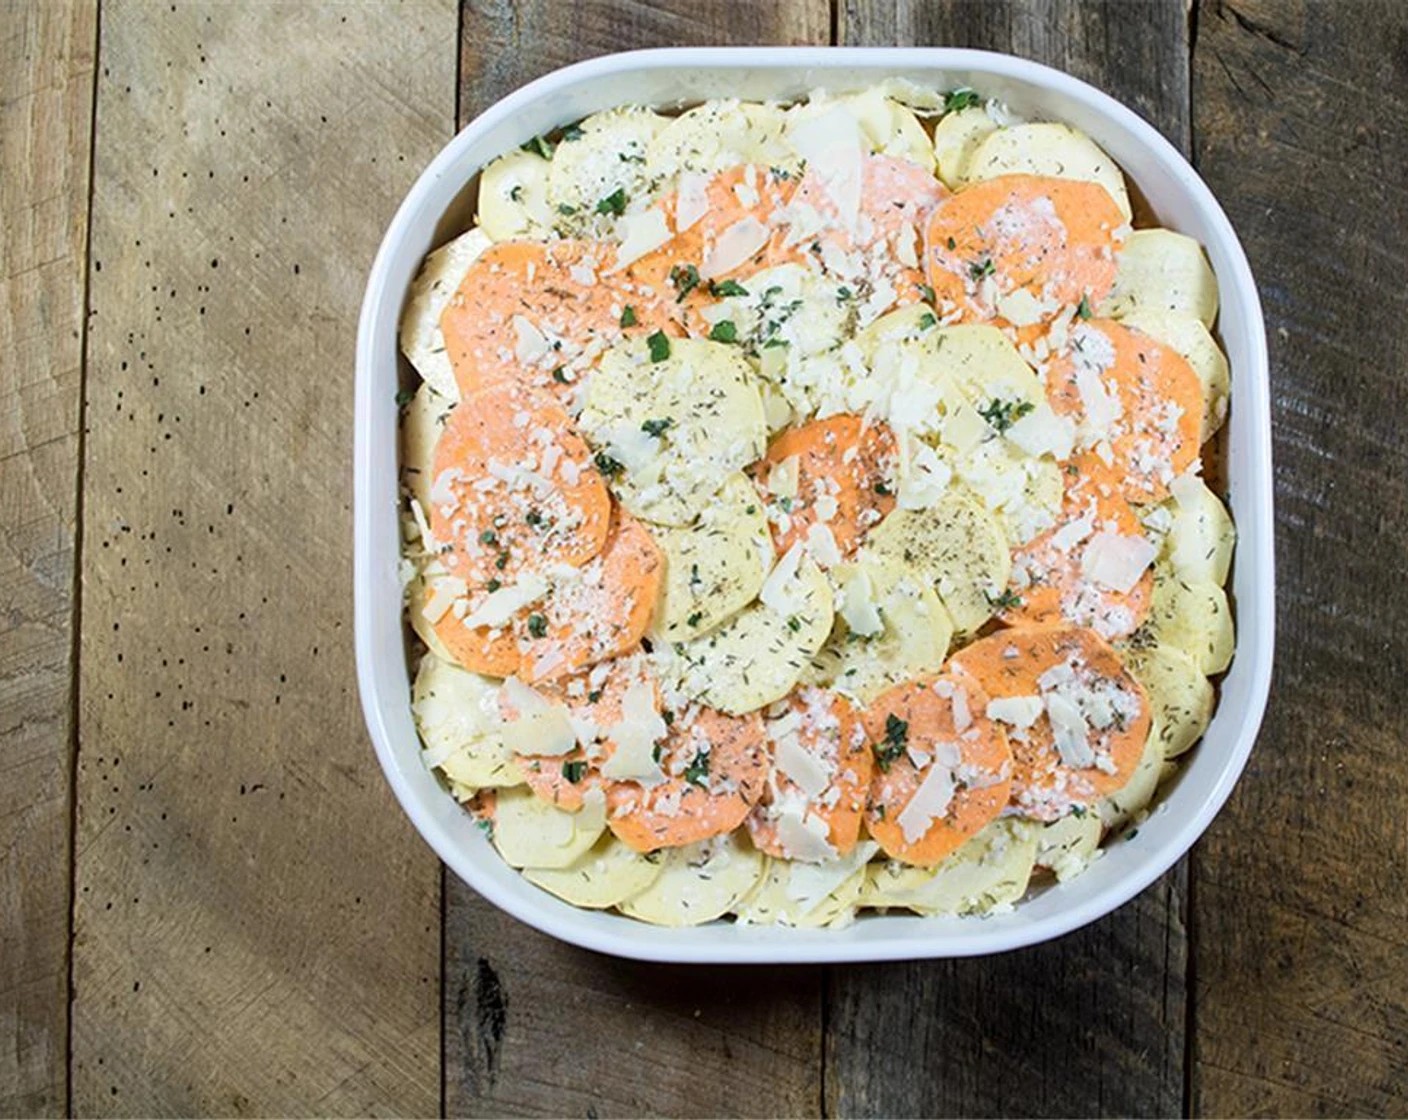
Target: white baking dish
441, 204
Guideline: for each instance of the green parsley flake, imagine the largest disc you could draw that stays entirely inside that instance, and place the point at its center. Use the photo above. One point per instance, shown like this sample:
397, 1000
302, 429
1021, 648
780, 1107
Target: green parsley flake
1009, 600
894, 743
537, 625
697, 772
927, 292
659, 344
657, 428
614, 203
1083, 307
961, 98
572, 132
628, 316
927, 320
540, 145
1003, 414
726, 288
574, 771
978, 269
606, 465
685, 278
724, 331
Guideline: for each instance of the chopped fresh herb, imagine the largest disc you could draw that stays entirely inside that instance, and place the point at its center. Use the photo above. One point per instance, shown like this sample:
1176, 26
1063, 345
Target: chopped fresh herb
668, 716
894, 743
537, 625
501, 561
593, 696
724, 331
659, 344
880, 811
515, 192
488, 536
533, 517
540, 145
1003, 414
657, 428
566, 208
485, 825
1009, 600
794, 624
726, 288
773, 343
927, 320
961, 98
786, 504
1131, 834
695, 619
404, 397
572, 132
614, 203
927, 292
751, 510
628, 316
697, 772
685, 278
779, 173
1083, 307
883, 489
978, 269
1079, 812
843, 293
952, 244
493, 585
606, 465
693, 574
575, 771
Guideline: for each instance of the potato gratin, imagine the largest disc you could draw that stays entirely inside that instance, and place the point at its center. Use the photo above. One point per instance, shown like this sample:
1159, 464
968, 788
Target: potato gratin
804, 508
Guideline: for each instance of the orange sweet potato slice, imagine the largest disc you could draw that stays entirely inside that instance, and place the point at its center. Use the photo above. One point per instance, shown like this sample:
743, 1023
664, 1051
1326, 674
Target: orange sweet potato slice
1066, 757
1139, 403
1053, 239
943, 769
845, 469
825, 726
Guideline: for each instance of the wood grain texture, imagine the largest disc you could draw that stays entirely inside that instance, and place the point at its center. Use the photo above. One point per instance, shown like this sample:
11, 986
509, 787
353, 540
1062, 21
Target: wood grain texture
1301, 905
532, 1026
46, 113
256, 921
1092, 1025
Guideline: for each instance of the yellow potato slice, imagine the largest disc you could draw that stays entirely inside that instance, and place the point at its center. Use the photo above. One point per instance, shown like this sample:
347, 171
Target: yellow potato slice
1162, 271
1191, 615
456, 713
605, 875
956, 137
887, 127
1054, 150
805, 895
1182, 698
528, 832
513, 198
718, 135
438, 279
608, 156
1199, 543
421, 425
1067, 846
699, 882
991, 871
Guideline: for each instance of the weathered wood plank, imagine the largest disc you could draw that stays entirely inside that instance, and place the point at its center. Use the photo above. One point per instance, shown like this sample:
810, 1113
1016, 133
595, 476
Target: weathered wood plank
256, 922
534, 1027
1093, 1024
1301, 906
46, 116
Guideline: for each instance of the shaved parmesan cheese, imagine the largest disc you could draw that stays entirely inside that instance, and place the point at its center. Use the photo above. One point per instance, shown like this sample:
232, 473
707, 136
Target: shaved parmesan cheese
734, 247
1116, 562
782, 479
964, 428
692, 202
1043, 432
540, 727
821, 543
443, 593
1102, 408
1016, 711
640, 728
640, 234
531, 343
925, 480
929, 803
1072, 740
801, 767
1021, 308
858, 607
777, 592
501, 605
805, 839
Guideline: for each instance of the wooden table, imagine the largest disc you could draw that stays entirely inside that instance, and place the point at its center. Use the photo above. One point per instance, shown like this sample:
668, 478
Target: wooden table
209, 902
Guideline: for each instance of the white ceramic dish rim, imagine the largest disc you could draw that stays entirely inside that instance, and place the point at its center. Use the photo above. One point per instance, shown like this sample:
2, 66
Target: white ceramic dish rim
660, 76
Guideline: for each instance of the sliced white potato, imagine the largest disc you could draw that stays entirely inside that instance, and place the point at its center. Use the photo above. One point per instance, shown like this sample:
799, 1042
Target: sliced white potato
528, 832
991, 871
887, 127
956, 137
759, 654
913, 635
1055, 150
1181, 697
680, 427
1023, 492
1200, 539
1159, 270
607, 156
714, 566
992, 376
717, 135
605, 875
1067, 846
1120, 807
513, 198
456, 713
699, 882
438, 279
1189, 337
421, 425
416, 595
1191, 615
807, 895
958, 546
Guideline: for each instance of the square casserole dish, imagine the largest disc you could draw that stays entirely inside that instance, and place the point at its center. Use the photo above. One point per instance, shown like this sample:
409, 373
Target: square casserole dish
441, 204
